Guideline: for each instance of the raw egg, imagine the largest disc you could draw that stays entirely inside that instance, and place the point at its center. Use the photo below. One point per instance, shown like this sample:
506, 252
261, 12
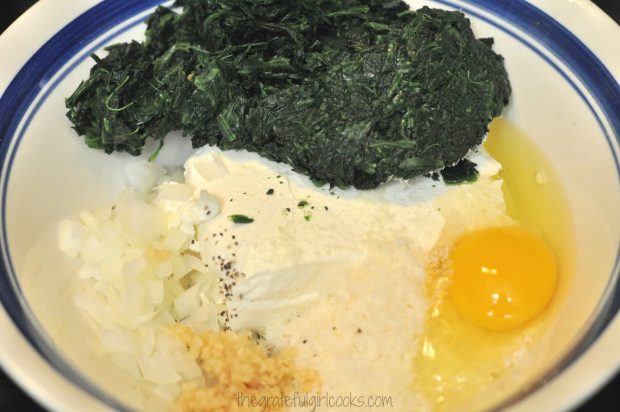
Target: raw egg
494, 292
502, 278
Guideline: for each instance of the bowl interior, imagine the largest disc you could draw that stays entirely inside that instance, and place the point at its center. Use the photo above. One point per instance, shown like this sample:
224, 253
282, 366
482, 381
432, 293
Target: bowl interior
53, 175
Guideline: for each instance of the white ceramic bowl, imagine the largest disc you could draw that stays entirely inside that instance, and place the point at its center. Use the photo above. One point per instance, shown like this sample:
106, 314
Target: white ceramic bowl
563, 60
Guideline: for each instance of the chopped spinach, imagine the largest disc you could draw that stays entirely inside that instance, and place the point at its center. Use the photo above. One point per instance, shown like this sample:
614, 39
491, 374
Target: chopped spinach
463, 172
349, 92
240, 219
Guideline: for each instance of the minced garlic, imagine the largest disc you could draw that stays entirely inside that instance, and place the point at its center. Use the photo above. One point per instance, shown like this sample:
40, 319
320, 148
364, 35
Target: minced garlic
236, 369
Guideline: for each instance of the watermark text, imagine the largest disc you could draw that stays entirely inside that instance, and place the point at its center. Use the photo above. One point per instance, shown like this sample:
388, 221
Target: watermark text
313, 401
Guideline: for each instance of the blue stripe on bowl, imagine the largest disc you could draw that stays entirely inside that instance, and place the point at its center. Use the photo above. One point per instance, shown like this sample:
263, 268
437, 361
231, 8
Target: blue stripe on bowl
110, 14
566, 46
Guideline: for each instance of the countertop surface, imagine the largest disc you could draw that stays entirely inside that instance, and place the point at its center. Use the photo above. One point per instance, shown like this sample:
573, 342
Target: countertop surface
13, 399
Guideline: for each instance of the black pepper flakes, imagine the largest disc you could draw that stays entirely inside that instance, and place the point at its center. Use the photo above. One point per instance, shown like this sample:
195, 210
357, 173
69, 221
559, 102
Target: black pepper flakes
270, 192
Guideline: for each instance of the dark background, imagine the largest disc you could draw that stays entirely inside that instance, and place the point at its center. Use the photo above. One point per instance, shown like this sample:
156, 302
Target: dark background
13, 399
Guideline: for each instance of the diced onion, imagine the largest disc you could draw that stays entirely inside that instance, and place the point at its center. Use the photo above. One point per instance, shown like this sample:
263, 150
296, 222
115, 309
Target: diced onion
141, 275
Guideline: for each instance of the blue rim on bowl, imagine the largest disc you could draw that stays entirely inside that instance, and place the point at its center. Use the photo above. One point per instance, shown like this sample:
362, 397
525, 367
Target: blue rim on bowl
48, 67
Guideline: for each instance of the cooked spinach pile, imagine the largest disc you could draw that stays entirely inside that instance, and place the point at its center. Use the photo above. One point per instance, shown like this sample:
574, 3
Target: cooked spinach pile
349, 92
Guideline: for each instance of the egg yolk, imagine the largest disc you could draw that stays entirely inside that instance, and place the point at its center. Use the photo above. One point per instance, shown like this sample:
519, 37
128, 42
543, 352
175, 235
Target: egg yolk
502, 277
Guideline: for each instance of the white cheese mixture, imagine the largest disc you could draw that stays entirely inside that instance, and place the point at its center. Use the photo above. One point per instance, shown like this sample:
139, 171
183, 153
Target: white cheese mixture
304, 241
